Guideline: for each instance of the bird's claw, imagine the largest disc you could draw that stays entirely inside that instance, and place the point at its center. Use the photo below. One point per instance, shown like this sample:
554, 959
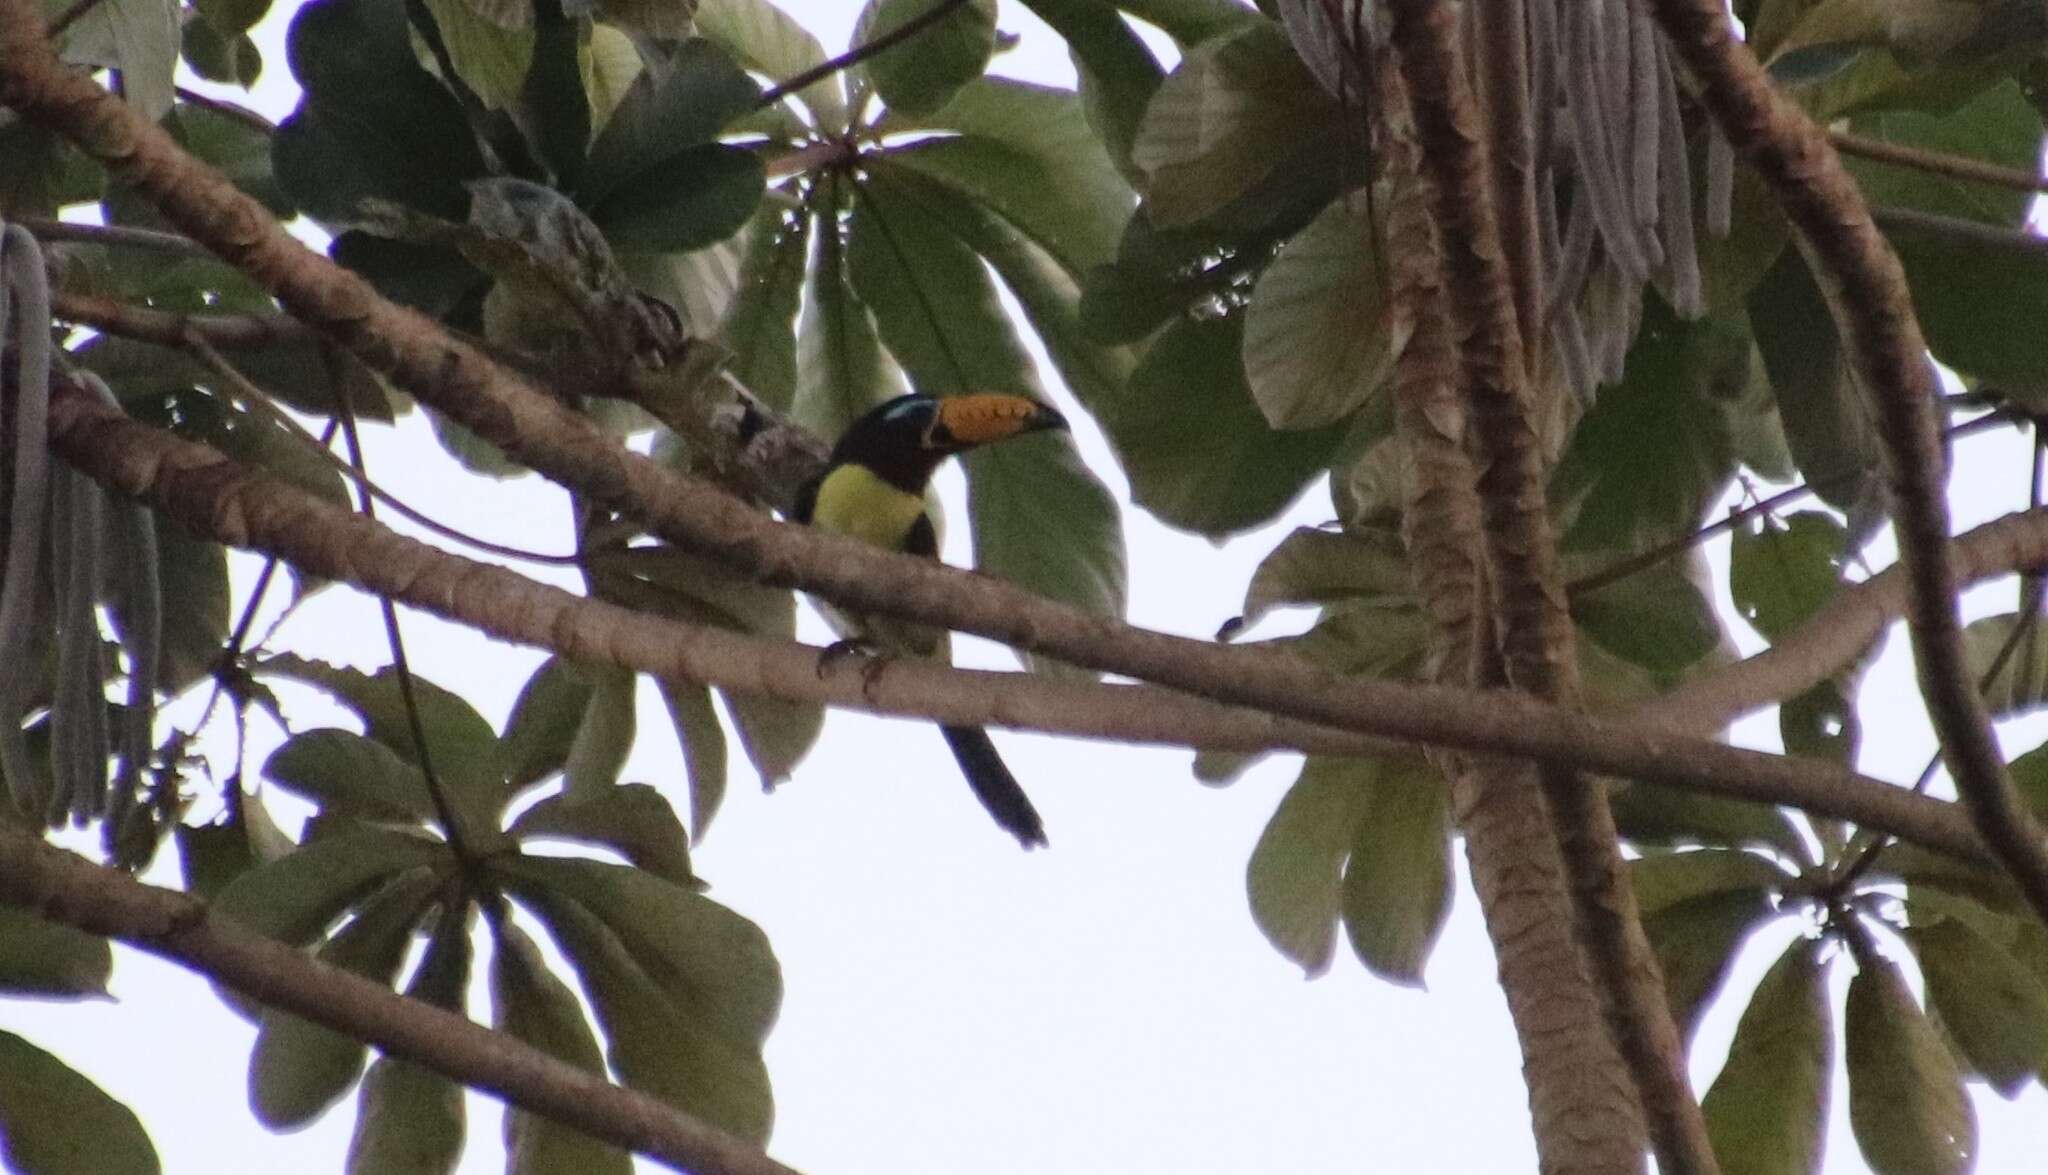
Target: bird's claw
842, 650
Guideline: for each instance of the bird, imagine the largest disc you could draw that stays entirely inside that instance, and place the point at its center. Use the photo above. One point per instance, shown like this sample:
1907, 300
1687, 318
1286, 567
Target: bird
873, 489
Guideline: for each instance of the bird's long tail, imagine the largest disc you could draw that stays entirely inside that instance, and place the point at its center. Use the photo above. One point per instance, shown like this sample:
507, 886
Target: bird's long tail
993, 784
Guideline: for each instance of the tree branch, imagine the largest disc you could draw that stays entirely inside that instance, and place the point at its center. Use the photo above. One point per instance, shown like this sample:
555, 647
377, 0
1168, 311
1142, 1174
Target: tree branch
45, 879
939, 11
248, 508
1523, 572
1937, 162
1867, 294
1840, 632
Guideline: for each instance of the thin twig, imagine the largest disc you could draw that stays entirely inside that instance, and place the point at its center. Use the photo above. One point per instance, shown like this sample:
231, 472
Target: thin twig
259, 401
170, 328
114, 234
1956, 228
233, 110
437, 791
1938, 162
1886, 350
860, 53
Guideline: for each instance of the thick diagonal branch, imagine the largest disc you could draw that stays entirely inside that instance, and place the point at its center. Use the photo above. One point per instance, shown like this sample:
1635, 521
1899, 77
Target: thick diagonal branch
68, 889
235, 504
1534, 625
1866, 292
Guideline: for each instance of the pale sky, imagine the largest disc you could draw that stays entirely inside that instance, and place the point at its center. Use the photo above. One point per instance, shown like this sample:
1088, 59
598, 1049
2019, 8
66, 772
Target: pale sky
954, 1004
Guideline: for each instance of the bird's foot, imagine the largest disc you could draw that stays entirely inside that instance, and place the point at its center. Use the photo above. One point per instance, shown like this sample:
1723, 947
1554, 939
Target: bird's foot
873, 657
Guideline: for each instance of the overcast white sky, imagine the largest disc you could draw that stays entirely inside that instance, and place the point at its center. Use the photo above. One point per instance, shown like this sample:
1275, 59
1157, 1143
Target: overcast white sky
955, 1005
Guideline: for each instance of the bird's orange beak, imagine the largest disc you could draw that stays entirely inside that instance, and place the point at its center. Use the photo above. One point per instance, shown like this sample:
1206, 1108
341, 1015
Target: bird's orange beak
981, 417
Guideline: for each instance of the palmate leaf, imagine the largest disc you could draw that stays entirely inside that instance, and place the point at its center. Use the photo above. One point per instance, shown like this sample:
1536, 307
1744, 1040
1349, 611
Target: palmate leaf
529, 1002
410, 1119
1190, 22
703, 90
1907, 1104
1827, 425
1026, 153
1117, 73
1235, 110
56, 1121
1318, 339
684, 989
297, 1069
633, 819
1295, 878
294, 898
1767, 1110
49, 959
765, 39
841, 368
1040, 518
1696, 942
1782, 572
1398, 880
919, 74
1199, 454
759, 328
1993, 1007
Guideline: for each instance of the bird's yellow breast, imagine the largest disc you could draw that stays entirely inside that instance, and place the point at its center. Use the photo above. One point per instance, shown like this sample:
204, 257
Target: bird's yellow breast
854, 502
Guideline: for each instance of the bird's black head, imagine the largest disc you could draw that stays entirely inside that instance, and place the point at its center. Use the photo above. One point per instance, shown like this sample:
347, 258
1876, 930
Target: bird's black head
904, 439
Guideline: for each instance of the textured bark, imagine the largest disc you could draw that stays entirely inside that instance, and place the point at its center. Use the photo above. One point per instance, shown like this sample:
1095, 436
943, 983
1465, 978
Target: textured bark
1522, 570
1582, 1107
213, 496
1866, 292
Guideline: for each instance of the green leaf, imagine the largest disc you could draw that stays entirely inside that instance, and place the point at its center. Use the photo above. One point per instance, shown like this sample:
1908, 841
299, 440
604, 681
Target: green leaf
492, 59
1235, 110
1758, 232
55, 1121
1782, 572
1047, 293
1313, 567
841, 370
212, 855
43, 958
220, 58
2021, 684
537, 1008
193, 576
297, 1068
294, 898
1658, 618
633, 819
461, 744
1043, 521
1994, 1008
692, 199
238, 146
1295, 878
1696, 942
372, 122
1907, 1105
682, 987
1827, 424
554, 102
1767, 1110
666, 19
767, 40
410, 1119
1026, 153
1998, 126
659, 125
605, 737
1650, 813
1657, 450
1190, 22
345, 772
1662, 880
1821, 723
1398, 879
1318, 339
702, 741
232, 17
1118, 74
760, 325
1199, 454
545, 719
920, 74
